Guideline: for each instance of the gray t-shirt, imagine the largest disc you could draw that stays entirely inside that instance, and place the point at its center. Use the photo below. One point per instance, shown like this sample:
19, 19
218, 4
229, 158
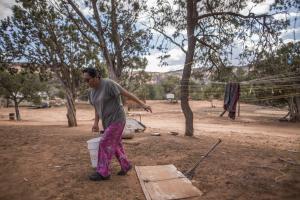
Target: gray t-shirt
107, 101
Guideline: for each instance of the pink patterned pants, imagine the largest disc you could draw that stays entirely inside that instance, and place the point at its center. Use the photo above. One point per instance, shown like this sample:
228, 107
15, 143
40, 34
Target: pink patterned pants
111, 144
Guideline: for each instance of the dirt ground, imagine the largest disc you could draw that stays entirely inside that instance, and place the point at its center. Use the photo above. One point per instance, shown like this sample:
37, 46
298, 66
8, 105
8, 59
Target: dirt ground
259, 158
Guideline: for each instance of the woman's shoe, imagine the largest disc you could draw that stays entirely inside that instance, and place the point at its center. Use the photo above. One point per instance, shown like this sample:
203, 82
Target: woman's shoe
97, 177
123, 173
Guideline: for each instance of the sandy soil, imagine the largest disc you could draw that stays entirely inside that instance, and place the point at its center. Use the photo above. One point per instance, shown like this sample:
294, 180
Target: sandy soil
41, 158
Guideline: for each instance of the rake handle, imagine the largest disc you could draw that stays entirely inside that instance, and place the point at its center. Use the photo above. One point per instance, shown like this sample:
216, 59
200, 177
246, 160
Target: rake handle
191, 172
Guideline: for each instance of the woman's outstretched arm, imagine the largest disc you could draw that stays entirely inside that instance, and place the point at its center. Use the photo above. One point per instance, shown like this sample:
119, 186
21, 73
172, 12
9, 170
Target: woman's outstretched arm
131, 96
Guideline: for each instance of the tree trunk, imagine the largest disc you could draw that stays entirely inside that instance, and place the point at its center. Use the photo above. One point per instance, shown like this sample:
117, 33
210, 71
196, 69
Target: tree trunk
71, 110
18, 116
188, 114
116, 40
294, 108
7, 102
70, 104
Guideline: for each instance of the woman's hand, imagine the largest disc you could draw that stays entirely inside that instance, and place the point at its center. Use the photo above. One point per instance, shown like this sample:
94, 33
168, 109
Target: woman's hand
147, 108
95, 128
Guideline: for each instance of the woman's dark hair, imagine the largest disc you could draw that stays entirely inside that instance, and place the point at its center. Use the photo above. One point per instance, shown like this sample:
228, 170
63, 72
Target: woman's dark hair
92, 72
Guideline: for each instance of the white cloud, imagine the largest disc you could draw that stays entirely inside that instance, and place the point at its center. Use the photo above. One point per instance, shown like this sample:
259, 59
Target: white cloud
151, 3
5, 8
175, 61
289, 34
87, 11
285, 16
281, 16
260, 8
290, 40
170, 30
294, 14
175, 55
153, 63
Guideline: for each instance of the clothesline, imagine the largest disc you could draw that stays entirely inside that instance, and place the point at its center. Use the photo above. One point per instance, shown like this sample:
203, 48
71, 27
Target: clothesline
273, 79
292, 86
277, 76
285, 80
222, 92
272, 98
273, 82
255, 86
269, 98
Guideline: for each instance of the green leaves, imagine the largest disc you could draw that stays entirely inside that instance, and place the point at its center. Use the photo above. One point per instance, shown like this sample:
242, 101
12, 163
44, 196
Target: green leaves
21, 86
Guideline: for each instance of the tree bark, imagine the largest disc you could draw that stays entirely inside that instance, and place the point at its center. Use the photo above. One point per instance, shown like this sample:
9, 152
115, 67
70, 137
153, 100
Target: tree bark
18, 116
294, 107
70, 104
118, 66
7, 102
188, 114
71, 110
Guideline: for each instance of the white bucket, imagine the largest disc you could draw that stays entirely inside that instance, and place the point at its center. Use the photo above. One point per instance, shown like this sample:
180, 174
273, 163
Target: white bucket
128, 133
93, 146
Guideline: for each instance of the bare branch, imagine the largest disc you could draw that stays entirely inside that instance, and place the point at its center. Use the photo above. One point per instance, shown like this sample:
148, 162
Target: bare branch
168, 37
250, 15
205, 44
87, 23
97, 17
80, 29
21, 99
103, 45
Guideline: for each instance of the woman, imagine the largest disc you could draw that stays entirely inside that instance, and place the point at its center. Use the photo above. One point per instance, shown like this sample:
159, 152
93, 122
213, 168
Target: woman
105, 96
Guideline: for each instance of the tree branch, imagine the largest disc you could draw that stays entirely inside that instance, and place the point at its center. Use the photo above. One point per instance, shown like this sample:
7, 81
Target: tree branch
100, 33
97, 16
250, 15
168, 37
79, 28
205, 44
89, 25
21, 99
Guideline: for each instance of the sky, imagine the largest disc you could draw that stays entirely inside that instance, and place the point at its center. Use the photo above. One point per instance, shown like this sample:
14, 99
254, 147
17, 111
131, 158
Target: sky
5, 8
176, 60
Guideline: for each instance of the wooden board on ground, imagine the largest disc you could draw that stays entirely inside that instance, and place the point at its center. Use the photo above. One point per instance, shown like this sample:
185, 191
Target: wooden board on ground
165, 182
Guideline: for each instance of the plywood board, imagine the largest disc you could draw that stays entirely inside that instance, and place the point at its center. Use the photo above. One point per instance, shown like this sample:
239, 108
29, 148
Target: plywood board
165, 182
159, 172
179, 188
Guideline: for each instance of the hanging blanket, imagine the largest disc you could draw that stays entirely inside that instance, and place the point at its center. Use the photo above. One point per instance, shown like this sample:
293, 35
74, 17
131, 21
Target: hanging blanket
231, 97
